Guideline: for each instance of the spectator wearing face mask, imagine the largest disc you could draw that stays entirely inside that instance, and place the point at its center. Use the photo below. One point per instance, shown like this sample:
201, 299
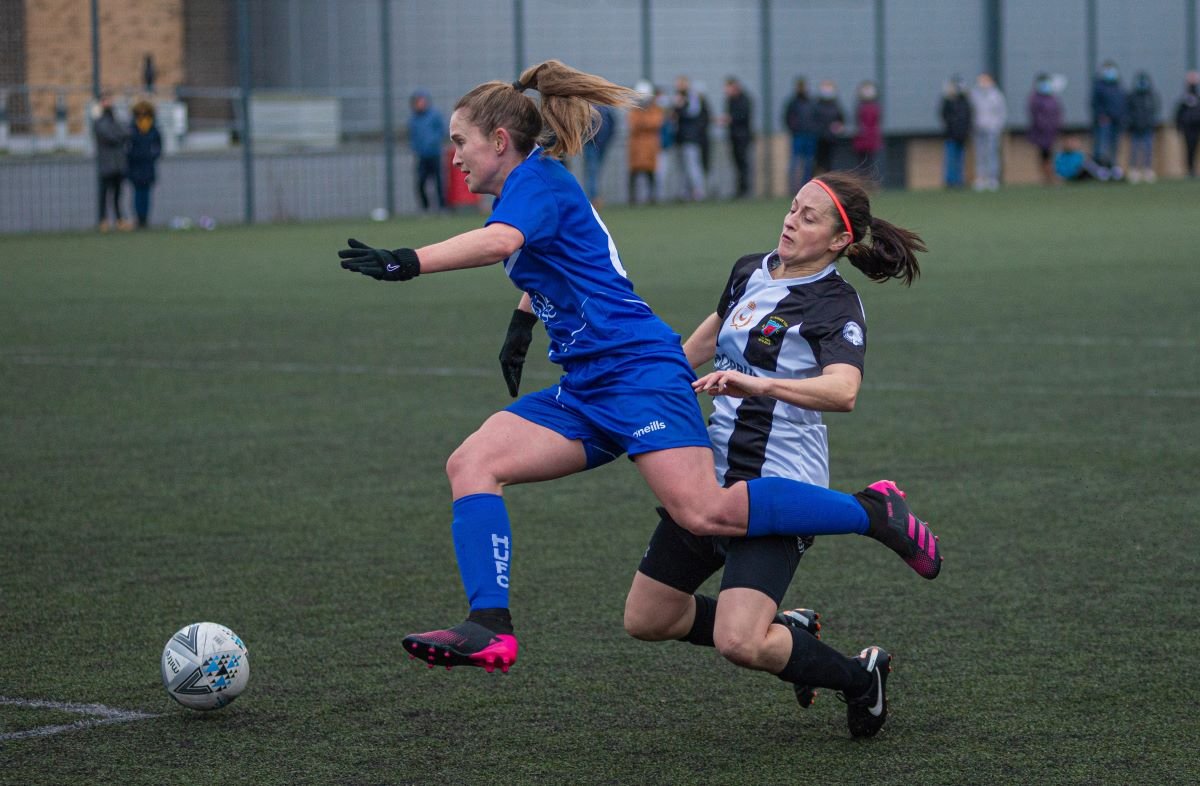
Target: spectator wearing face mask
868, 137
1142, 110
956, 124
829, 121
989, 112
1108, 113
1045, 123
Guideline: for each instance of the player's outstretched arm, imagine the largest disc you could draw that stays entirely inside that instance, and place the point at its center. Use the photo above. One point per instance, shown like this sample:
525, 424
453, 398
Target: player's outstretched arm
476, 248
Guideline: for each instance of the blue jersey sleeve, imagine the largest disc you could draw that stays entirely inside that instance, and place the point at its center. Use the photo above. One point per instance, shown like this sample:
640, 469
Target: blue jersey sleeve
528, 204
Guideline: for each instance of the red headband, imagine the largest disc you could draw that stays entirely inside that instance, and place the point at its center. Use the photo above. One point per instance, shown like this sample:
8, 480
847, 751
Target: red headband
838, 204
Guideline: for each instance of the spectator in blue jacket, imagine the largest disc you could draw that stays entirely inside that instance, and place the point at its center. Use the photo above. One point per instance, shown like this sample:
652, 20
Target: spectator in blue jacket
1142, 111
1108, 113
426, 133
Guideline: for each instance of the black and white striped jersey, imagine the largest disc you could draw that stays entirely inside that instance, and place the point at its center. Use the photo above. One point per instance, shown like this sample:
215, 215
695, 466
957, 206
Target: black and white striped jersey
786, 329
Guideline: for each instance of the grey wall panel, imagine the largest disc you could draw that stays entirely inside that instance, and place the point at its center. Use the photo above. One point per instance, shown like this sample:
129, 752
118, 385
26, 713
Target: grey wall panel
1051, 37
602, 37
448, 48
926, 42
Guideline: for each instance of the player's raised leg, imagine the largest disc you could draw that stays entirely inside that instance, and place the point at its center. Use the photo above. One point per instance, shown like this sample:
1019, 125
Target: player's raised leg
682, 479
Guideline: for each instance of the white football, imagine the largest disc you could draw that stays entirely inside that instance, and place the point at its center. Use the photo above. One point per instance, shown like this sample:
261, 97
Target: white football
205, 666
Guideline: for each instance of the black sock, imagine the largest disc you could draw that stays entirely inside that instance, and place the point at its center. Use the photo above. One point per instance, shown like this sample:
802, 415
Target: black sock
875, 504
821, 666
496, 620
706, 619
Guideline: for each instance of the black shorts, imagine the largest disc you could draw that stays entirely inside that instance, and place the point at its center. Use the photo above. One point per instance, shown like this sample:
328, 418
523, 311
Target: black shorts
684, 561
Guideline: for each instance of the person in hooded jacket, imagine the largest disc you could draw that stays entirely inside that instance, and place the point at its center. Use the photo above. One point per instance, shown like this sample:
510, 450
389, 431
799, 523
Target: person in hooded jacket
1187, 119
111, 139
956, 125
1142, 110
1045, 123
145, 148
1108, 113
426, 132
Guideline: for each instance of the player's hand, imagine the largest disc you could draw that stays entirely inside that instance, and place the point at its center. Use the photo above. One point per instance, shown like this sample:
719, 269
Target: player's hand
379, 263
730, 383
516, 344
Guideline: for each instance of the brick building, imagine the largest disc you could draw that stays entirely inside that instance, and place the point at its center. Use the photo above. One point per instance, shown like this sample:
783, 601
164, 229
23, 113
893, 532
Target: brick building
46, 52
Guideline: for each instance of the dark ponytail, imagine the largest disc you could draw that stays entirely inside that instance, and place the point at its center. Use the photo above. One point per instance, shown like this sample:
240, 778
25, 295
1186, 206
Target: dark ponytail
880, 249
888, 252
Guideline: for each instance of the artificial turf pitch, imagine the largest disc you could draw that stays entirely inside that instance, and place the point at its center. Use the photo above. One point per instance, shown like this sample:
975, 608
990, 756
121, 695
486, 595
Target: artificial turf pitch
225, 426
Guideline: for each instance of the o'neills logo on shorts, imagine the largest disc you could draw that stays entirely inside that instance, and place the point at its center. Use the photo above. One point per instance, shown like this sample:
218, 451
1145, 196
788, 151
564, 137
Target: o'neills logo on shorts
657, 425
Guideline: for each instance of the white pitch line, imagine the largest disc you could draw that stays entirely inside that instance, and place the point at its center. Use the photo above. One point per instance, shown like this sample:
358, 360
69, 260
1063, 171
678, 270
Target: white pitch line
101, 715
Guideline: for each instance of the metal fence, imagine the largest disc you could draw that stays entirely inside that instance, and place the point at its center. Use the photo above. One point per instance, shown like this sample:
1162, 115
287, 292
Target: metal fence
314, 127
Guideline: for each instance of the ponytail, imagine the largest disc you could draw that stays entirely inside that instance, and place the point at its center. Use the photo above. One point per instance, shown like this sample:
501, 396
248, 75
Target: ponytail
891, 252
565, 119
880, 249
567, 98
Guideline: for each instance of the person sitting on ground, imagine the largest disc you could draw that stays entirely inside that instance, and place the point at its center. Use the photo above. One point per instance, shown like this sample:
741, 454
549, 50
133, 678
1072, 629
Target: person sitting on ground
1072, 163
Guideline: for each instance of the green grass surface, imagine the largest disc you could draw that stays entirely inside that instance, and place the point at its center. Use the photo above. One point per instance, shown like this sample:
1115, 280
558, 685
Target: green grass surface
224, 426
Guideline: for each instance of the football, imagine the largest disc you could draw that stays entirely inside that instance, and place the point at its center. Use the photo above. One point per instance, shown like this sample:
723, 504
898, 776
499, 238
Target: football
205, 666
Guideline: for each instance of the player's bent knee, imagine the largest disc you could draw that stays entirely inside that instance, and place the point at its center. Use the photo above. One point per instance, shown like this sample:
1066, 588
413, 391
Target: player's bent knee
740, 650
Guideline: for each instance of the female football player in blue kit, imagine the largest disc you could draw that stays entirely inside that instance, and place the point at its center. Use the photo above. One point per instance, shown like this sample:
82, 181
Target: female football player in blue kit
626, 386
788, 341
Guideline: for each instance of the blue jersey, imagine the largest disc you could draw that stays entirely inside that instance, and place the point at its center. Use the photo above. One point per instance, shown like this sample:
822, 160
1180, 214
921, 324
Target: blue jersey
570, 268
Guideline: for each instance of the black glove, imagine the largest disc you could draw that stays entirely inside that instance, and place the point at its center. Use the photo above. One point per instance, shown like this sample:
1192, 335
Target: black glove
379, 263
516, 344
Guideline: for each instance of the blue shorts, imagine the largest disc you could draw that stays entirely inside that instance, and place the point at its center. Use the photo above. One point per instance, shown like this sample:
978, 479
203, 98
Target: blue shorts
621, 405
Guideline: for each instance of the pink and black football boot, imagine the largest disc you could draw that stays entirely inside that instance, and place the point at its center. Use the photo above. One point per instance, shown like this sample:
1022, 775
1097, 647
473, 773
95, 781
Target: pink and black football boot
893, 524
466, 644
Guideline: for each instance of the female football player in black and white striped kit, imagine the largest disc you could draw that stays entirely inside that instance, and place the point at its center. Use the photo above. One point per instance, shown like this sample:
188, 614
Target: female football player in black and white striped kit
787, 341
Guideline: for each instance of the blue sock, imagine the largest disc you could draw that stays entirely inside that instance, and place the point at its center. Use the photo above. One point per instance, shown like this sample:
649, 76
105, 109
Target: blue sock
482, 543
779, 506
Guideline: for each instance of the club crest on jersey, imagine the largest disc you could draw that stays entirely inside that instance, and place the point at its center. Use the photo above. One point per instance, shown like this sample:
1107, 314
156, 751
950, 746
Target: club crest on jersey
771, 329
542, 306
853, 333
743, 316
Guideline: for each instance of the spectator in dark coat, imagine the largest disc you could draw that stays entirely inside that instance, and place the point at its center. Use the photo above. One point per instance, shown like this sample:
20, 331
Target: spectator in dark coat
145, 148
1045, 123
111, 139
1187, 119
1108, 113
868, 135
830, 122
1142, 111
737, 118
799, 119
956, 125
